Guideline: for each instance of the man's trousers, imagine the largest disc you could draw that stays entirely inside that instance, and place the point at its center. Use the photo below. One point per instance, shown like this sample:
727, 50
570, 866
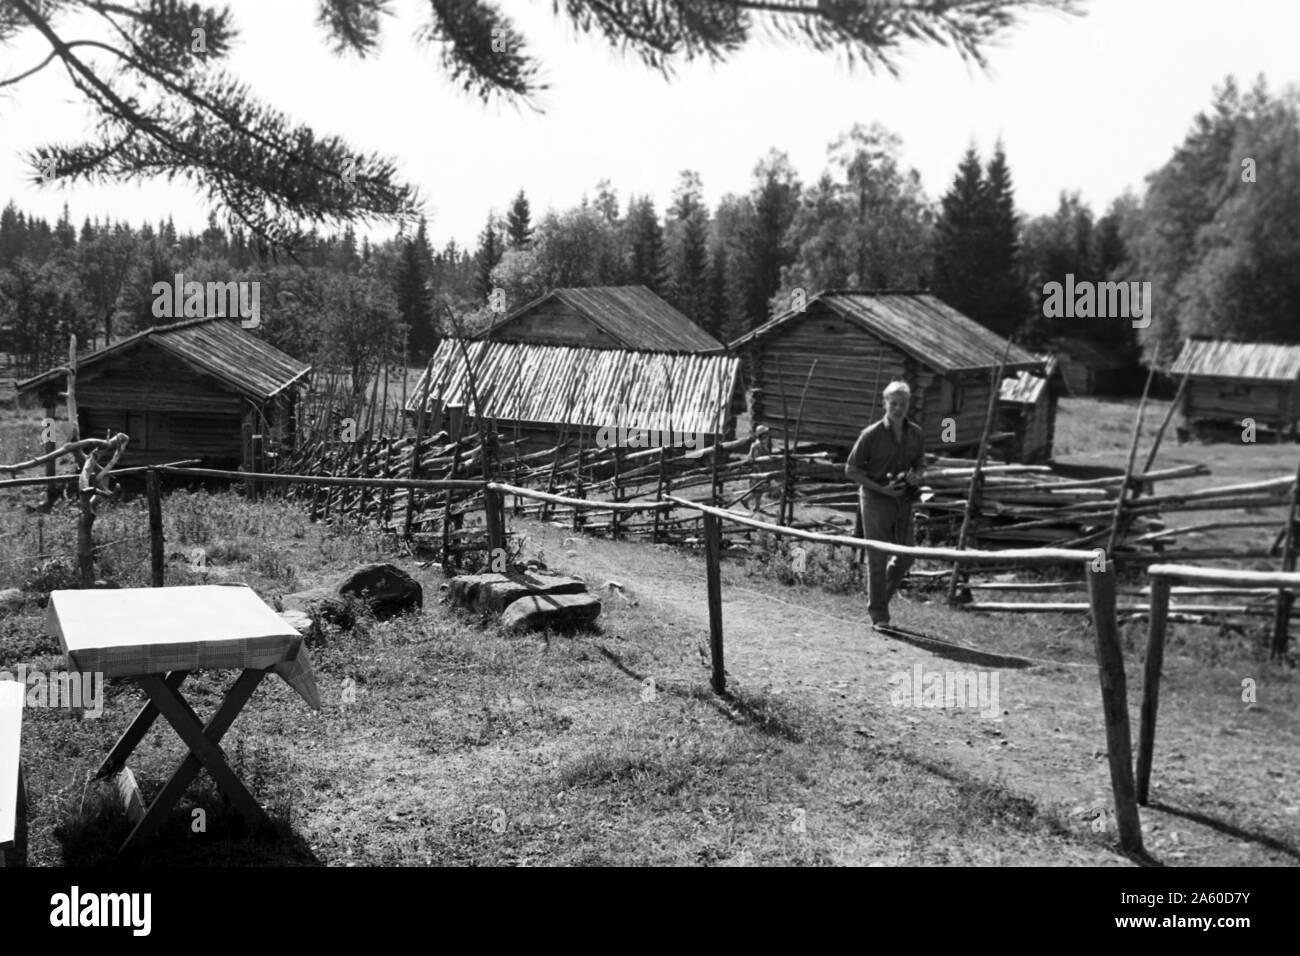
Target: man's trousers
890, 520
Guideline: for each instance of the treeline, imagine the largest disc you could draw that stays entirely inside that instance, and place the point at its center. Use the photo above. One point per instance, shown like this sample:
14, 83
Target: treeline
1217, 234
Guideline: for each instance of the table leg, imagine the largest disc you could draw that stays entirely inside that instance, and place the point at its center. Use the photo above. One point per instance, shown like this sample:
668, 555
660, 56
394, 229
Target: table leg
205, 752
127, 743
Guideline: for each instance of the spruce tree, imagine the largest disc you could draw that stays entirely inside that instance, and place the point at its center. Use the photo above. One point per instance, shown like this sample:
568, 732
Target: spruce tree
1007, 305
519, 228
412, 284
959, 238
486, 259
688, 288
645, 244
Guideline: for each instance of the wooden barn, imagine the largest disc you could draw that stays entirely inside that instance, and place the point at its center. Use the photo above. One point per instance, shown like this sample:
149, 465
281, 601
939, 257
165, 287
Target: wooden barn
195, 389
859, 342
1095, 368
603, 317
548, 394
1027, 410
1231, 381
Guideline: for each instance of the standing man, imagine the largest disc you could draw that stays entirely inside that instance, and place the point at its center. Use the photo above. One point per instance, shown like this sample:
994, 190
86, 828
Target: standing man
886, 462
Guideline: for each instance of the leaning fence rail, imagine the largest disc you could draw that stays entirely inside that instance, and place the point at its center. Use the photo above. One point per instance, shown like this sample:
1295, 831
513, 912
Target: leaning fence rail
1101, 589
1163, 577
1128, 791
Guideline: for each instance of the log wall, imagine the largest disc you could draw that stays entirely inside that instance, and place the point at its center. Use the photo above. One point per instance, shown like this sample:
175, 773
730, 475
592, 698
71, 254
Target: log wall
853, 366
1226, 399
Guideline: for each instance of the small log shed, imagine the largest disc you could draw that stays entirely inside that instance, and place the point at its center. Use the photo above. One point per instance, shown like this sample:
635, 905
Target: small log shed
550, 394
1027, 409
1229, 382
201, 388
861, 341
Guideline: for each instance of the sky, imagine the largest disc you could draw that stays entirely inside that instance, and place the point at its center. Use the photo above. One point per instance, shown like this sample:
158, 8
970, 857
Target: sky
1091, 104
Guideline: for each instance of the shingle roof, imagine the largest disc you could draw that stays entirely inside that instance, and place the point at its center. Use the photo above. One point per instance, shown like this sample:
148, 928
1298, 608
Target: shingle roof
553, 384
215, 346
631, 314
920, 324
1025, 387
1253, 360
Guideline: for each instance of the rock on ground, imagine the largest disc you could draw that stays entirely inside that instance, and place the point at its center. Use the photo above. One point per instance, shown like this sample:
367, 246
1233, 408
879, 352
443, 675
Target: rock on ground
385, 587
555, 611
496, 592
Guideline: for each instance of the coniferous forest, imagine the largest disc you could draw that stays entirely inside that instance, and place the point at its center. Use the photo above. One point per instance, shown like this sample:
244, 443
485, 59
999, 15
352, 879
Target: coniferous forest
1214, 230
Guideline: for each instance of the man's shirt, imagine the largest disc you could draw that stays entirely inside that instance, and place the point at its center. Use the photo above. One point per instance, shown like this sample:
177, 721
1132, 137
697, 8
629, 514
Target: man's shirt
877, 453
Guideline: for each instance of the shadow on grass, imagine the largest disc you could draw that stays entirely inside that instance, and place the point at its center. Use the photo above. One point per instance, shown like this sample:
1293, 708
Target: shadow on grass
768, 714
1263, 839
951, 651
94, 836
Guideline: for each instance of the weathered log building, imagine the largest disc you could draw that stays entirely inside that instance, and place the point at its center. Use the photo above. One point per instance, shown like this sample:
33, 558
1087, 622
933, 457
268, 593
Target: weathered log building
603, 317
1229, 382
859, 342
194, 389
1027, 410
548, 395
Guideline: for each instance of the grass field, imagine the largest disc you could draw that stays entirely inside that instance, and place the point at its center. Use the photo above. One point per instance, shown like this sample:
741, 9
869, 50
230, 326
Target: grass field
444, 740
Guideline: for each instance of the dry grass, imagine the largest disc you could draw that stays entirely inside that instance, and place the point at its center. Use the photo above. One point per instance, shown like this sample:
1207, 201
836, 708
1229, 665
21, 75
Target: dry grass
443, 740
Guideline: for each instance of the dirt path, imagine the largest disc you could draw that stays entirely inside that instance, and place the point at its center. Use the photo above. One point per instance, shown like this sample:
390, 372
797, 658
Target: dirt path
1226, 788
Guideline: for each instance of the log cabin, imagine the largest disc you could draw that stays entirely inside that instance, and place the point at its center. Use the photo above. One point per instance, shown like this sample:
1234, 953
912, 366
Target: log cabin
855, 343
546, 395
1027, 407
603, 317
1229, 382
201, 388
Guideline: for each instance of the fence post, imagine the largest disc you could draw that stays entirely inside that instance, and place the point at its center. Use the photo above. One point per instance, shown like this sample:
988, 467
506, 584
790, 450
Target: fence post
1114, 701
618, 491
1285, 599
155, 528
494, 516
51, 466
1151, 683
713, 562
259, 457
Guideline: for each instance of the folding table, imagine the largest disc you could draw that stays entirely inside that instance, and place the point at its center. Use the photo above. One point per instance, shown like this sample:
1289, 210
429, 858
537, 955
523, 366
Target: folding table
157, 636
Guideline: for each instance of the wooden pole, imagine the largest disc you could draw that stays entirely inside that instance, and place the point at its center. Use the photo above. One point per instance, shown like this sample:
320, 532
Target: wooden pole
1118, 519
713, 563
1151, 683
1114, 700
579, 485
1285, 599
785, 442
618, 491
1160, 432
51, 466
258, 462
494, 515
791, 474
155, 528
977, 477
